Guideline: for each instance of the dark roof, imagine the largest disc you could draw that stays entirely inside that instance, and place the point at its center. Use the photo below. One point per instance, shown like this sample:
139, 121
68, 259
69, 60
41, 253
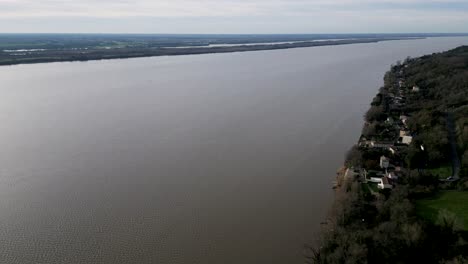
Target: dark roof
385, 180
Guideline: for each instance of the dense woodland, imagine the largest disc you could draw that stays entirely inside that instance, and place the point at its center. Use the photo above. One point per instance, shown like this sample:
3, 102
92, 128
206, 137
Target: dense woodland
401, 225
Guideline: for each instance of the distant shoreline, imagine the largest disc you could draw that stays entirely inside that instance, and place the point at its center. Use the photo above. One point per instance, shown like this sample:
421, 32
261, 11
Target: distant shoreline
71, 55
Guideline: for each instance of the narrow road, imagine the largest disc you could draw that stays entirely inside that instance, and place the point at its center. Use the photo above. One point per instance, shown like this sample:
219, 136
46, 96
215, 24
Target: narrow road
453, 144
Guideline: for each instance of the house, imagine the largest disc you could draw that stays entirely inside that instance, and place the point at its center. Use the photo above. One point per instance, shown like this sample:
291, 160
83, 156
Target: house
374, 176
416, 89
375, 180
407, 140
384, 184
377, 144
404, 119
384, 162
404, 133
392, 175
364, 143
392, 150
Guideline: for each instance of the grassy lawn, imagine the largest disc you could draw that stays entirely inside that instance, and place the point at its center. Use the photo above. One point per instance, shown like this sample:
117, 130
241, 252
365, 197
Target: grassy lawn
453, 201
443, 172
365, 188
373, 187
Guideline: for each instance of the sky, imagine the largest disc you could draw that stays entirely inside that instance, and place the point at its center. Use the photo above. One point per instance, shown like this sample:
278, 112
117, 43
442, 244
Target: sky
233, 16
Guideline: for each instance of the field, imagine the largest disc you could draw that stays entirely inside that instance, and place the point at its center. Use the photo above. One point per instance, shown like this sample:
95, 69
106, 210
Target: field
373, 187
442, 172
453, 201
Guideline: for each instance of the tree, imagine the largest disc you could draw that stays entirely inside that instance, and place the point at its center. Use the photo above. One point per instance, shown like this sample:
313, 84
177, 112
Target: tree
375, 113
464, 165
369, 130
449, 221
354, 157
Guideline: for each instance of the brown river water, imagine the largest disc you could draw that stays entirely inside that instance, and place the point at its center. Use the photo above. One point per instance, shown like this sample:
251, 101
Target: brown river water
221, 158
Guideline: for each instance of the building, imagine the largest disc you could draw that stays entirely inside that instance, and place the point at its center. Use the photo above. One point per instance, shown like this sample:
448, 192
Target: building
384, 162
407, 140
384, 145
404, 133
416, 89
404, 119
375, 180
392, 175
384, 184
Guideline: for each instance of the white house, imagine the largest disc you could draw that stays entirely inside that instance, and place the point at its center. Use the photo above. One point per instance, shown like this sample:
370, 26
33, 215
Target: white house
384, 162
403, 119
407, 140
375, 179
416, 89
365, 143
391, 175
384, 184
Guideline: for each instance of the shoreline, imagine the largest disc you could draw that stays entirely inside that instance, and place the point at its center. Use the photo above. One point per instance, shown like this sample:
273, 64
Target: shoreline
396, 186
50, 56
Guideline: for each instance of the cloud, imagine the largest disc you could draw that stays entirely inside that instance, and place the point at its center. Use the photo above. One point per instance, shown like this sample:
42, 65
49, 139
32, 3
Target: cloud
287, 16
200, 8
107, 8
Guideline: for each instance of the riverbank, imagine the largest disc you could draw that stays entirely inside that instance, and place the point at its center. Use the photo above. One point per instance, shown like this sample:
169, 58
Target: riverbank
392, 206
43, 48
32, 56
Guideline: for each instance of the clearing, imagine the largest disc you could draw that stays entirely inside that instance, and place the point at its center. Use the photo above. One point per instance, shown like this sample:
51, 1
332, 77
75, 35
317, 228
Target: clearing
452, 201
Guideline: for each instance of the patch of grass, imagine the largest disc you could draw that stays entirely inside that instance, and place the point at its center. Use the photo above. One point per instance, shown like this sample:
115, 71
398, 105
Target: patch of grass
442, 172
455, 202
373, 187
365, 188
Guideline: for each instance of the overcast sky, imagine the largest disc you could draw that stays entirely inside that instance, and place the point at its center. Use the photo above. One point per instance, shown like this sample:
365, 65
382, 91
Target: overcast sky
233, 16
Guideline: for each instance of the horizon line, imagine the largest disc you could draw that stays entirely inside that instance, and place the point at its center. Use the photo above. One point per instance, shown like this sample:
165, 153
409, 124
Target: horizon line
227, 34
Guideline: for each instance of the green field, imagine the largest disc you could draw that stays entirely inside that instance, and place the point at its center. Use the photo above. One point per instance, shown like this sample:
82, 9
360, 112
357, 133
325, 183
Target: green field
442, 172
453, 201
373, 187
365, 188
